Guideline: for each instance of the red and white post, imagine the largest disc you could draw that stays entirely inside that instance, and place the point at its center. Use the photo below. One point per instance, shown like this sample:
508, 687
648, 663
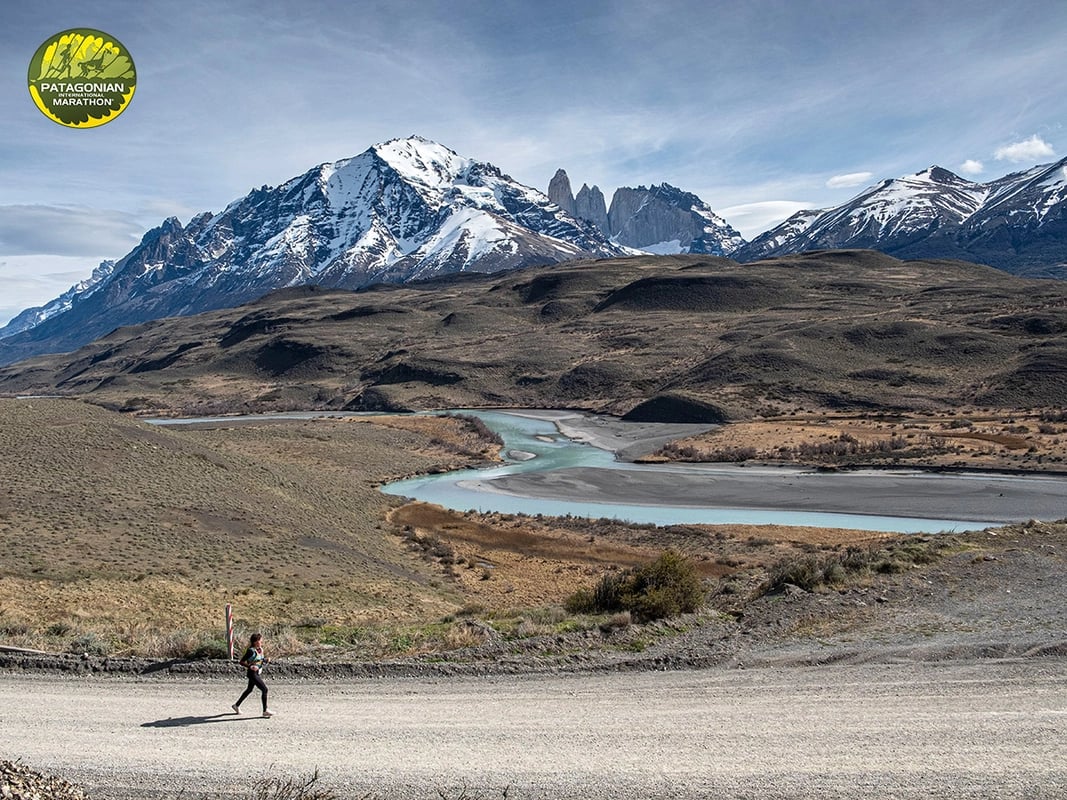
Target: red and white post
229, 628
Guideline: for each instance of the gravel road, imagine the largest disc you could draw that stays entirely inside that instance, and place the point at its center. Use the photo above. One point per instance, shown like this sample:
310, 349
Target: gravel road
976, 729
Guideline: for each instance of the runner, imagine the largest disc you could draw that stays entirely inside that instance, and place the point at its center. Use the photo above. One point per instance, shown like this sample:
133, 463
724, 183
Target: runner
253, 661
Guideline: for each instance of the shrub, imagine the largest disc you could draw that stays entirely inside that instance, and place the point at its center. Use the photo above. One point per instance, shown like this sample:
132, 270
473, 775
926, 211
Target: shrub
664, 588
476, 426
803, 571
91, 644
211, 647
581, 602
813, 571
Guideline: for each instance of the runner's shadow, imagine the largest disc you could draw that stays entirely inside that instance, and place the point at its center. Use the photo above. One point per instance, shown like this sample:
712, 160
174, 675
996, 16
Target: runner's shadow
182, 722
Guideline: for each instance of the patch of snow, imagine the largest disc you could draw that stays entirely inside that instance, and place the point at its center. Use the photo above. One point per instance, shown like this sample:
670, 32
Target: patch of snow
476, 229
671, 248
420, 161
484, 197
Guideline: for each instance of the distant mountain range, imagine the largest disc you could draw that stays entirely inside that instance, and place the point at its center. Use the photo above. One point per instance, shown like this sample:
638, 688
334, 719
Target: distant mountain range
660, 219
1017, 223
412, 209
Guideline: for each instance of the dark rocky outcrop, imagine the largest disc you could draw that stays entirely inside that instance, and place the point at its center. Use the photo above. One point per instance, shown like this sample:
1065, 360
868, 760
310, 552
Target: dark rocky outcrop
559, 192
590, 206
676, 408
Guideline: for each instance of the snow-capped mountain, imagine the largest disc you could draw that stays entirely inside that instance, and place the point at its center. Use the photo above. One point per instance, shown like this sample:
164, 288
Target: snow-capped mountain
659, 219
1017, 223
32, 317
403, 210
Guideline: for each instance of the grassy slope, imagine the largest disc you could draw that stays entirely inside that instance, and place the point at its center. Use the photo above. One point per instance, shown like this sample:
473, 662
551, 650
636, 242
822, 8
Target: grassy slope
114, 525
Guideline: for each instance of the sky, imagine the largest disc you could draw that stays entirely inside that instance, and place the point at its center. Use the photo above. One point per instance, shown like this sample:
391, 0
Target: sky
761, 107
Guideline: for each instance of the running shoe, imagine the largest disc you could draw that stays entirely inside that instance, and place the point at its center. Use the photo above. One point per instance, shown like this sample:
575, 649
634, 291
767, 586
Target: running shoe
236, 708
268, 713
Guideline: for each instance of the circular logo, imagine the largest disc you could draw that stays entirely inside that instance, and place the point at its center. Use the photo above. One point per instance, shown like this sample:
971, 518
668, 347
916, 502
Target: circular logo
82, 78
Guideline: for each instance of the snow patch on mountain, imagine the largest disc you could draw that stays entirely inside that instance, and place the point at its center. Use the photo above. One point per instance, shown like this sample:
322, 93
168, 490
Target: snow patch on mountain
671, 248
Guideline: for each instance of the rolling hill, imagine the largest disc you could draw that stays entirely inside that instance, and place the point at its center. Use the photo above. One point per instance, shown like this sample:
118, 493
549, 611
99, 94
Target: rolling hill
667, 337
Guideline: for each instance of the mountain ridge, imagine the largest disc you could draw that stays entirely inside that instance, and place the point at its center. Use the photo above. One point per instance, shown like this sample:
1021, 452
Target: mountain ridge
1017, 223
401, 210
410, 209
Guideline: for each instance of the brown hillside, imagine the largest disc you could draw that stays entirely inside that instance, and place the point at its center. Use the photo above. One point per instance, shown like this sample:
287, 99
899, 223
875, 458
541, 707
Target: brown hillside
124, 527
829, 330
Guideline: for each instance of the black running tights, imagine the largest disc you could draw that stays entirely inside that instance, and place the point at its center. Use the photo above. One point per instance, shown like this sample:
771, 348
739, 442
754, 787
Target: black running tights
255, 682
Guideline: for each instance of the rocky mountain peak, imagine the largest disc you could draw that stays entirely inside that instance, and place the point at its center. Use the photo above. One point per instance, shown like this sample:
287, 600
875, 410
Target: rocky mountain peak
941, 175
664, 219
589, 205
659, 219
402, 210
559, 192
421, 161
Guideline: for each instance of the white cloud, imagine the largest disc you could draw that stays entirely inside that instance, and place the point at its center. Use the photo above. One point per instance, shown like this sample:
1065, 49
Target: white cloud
752, 219
67, 231
972, 167
1032, 149
849, 180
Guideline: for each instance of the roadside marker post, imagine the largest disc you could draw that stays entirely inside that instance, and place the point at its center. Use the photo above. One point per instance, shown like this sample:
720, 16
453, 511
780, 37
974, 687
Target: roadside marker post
229, 629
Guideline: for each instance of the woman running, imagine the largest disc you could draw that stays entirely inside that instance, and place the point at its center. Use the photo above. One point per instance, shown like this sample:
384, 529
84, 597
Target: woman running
253, 661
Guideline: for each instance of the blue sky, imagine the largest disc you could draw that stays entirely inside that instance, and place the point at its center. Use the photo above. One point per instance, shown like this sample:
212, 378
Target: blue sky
760, 107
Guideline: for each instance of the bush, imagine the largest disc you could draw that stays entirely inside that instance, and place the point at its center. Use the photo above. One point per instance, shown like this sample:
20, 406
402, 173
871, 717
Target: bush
211, 647
476, 426
581, 602
804, 571
664, 588
90, 643
813, 571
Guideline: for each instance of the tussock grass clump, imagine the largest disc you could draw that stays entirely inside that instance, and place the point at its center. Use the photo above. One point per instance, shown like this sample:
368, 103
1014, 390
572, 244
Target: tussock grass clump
813, 571
300, 788
664, 588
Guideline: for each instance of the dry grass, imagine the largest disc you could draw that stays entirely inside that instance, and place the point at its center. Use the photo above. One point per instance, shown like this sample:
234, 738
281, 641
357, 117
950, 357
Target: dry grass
503, 561
124, 538
118, 527
977, 438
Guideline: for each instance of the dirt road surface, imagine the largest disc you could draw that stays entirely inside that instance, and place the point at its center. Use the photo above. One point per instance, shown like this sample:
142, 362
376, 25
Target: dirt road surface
972, 729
